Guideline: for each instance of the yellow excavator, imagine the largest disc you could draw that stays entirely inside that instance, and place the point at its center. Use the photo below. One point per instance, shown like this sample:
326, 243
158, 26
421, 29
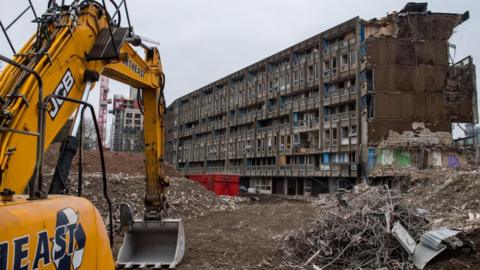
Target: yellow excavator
46, 83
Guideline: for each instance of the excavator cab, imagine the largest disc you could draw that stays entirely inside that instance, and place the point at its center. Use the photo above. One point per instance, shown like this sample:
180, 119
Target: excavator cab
150, 243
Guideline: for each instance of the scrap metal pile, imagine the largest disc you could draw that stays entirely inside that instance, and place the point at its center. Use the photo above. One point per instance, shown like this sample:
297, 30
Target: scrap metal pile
357, 233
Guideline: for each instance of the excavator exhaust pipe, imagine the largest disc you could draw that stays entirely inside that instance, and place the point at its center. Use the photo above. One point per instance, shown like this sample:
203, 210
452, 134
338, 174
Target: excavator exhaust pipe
152, 244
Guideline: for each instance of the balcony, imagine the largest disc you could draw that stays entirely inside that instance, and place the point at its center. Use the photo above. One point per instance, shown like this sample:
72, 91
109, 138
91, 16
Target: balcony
326, 143
311, 103
298, 170
306, 125
326, 73
334, 48
326, 98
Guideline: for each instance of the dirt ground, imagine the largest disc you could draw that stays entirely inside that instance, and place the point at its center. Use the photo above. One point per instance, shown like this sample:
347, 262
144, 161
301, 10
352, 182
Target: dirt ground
244, 238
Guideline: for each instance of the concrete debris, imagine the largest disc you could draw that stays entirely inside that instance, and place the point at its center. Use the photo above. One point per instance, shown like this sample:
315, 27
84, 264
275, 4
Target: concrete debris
369, 231
356, 235
187, 199
418, 137
450, 196
190, 199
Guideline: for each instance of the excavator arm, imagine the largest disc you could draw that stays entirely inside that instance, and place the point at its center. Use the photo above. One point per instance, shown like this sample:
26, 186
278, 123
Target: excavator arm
148, 76
60, 64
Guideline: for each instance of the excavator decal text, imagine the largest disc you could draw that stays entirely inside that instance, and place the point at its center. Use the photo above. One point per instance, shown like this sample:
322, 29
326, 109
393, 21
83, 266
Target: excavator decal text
65, 252
134, 67
63, 89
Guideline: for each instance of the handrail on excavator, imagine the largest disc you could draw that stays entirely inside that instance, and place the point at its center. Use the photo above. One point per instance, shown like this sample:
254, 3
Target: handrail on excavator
38, 177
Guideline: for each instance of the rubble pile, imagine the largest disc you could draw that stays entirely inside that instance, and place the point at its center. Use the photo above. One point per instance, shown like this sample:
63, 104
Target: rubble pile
450, 196
357, 233
186, 198
126, 184
189, 199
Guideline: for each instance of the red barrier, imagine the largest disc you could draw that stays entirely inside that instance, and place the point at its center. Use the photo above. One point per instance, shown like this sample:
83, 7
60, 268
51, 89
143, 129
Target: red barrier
221, 184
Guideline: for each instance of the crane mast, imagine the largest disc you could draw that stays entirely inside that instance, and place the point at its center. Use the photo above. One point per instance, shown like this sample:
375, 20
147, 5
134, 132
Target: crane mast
103, 109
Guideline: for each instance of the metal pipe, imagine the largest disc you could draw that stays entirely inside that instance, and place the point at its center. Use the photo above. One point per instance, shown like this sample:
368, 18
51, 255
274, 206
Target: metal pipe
33, 9
78, 118
80, 154
7, 37
128, 15
111, 32
18, 17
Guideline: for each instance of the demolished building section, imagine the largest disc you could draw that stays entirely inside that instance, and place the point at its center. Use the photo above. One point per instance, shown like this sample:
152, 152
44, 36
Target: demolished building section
319, 115
413, 92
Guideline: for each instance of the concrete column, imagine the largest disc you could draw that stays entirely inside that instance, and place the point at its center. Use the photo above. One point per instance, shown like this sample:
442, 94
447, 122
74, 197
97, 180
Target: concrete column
332, 184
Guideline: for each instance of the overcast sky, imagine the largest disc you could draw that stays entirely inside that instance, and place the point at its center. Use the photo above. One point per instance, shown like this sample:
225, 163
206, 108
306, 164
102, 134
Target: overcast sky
202, 41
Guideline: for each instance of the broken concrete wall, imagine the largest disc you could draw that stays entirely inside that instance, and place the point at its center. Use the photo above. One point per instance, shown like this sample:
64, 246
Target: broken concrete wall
411, 79
416, 158
461, 79
418, 136
418, 148
380, 129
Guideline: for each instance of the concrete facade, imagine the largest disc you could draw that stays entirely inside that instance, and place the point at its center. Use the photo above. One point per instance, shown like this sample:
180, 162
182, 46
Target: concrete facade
301, 122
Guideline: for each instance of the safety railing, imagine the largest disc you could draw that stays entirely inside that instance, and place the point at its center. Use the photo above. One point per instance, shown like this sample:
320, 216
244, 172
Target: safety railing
5, 28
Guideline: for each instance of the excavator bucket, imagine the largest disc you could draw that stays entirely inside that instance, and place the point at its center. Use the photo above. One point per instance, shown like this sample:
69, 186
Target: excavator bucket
152, 244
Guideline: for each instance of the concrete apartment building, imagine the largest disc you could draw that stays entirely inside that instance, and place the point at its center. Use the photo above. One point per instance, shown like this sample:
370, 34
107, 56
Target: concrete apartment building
310, 118
127, 129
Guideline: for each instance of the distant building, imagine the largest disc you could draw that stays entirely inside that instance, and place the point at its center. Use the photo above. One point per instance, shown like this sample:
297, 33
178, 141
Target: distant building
127, 127
471, 137
327, 111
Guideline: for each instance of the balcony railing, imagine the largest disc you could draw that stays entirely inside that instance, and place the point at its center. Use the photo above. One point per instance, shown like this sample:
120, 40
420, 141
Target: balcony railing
334, 48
